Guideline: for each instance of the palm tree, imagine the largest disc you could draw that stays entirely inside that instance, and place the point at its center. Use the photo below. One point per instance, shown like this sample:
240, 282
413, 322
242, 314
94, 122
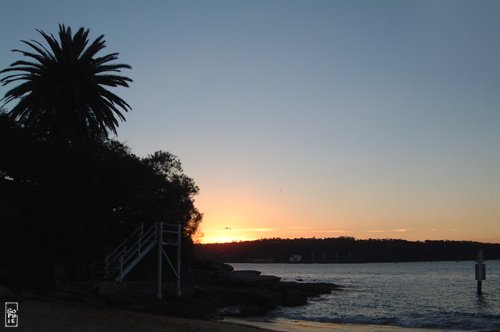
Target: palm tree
62, 89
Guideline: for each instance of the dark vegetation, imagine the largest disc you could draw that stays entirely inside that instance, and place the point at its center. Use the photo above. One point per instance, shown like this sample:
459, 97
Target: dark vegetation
346, 249
68, 192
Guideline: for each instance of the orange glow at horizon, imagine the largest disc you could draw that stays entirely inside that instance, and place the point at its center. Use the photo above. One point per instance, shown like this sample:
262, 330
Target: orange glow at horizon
218, 227
236, 235
257, 213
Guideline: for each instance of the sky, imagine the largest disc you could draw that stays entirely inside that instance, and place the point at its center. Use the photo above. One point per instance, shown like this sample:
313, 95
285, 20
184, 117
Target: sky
371, 119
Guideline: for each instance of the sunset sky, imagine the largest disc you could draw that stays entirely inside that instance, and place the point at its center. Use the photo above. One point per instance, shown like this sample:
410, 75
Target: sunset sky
372, 119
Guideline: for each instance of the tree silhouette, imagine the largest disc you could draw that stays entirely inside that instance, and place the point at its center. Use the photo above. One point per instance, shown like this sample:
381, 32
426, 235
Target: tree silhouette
68, 192
62, 92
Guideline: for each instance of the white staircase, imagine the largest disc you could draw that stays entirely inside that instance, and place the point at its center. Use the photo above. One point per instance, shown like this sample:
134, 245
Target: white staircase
131, 251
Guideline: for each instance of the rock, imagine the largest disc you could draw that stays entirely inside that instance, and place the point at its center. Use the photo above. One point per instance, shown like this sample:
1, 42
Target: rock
211, 266
248, 293
247, 278
293, 298
243, 310
248, 272
263, 297
222, 267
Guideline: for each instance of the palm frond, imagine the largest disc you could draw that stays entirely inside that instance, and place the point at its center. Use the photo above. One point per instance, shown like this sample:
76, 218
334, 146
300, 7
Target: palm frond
54, 45
62, 89
40, 49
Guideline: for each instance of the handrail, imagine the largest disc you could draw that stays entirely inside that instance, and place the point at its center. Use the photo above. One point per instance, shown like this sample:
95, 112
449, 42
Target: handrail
115, 258
142, 241
131, 251
141, 227
129, 243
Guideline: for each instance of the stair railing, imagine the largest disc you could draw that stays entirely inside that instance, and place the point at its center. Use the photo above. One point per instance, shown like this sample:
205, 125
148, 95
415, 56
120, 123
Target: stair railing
135, 252
132, 250
112, 260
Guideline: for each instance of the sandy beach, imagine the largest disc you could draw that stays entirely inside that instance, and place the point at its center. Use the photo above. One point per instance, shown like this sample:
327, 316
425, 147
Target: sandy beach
69, 317
307, 326
40, 316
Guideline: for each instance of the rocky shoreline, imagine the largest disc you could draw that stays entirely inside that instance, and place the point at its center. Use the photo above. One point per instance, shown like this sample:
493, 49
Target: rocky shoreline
214, 291
249, 293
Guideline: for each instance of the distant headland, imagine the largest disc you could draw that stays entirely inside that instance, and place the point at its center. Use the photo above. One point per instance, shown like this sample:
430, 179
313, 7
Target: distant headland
345, 250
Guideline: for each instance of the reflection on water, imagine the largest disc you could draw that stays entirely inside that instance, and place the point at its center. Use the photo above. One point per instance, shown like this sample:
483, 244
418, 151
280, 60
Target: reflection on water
482, 302
428, 294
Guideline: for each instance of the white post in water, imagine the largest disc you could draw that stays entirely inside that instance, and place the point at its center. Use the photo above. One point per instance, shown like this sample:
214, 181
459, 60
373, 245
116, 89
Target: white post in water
480, 272
159, 235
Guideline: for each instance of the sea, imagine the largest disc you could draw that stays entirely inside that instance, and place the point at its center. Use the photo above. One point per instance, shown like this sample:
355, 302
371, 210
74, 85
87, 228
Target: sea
430, 295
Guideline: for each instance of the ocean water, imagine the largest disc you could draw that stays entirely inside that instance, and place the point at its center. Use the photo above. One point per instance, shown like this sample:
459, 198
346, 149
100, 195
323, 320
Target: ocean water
439, 295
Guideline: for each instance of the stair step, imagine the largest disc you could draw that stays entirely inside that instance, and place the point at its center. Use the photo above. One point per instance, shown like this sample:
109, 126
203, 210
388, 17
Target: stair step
146, 240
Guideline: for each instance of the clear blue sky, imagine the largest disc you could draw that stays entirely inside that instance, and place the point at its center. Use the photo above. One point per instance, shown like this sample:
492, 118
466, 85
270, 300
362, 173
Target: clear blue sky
309, 118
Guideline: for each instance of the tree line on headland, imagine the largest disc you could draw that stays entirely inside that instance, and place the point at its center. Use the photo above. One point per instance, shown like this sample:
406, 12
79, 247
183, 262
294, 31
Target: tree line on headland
69, 193
344, 250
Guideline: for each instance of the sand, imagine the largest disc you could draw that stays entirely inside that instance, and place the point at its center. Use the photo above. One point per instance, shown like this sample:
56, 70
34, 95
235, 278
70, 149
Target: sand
41, 316
69, 317
305, 326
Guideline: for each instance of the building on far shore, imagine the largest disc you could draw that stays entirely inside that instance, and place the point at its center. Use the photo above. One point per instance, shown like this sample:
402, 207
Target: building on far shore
295, 258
